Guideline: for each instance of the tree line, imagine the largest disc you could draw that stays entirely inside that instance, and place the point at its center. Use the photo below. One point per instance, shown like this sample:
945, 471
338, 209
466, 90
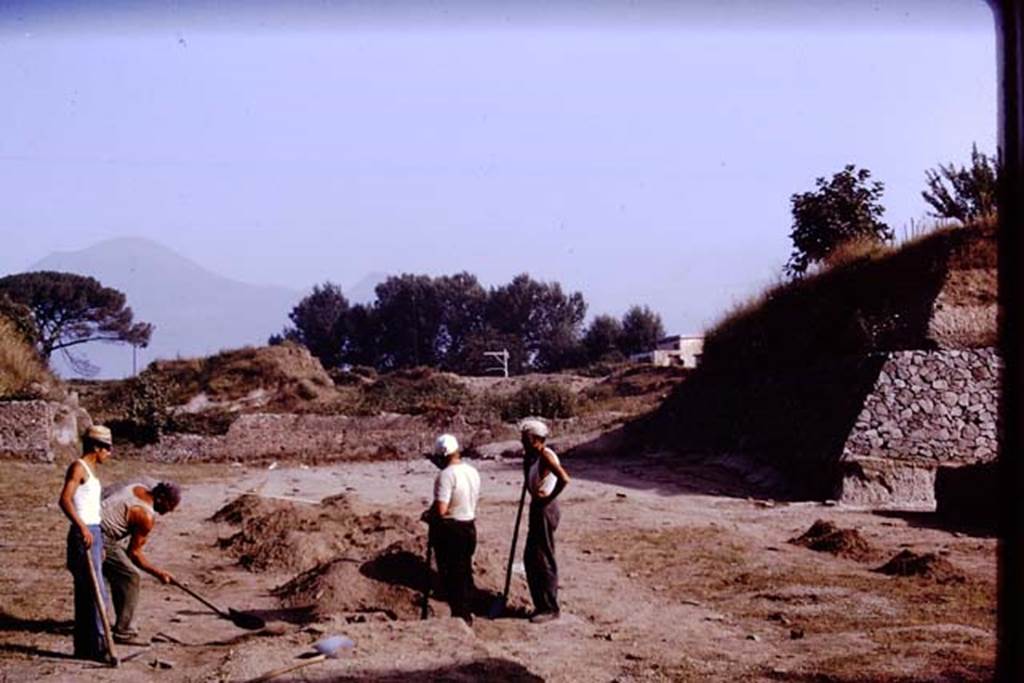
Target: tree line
451, 321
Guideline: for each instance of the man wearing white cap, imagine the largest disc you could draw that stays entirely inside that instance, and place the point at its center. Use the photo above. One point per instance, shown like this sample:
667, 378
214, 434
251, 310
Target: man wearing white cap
545, 478
452, 525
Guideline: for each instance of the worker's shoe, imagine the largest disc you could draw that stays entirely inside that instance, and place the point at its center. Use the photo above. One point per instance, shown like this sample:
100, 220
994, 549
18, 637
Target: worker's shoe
545, 617
127, 638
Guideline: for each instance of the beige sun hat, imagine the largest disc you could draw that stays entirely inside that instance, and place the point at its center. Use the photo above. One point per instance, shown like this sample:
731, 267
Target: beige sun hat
100, 433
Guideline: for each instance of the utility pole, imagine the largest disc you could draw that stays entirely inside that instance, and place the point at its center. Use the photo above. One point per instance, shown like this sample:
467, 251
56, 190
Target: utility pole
501, 358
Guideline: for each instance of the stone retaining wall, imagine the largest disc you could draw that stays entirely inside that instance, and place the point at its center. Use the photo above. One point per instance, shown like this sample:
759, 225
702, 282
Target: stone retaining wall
40, 430
928, 410
936, 406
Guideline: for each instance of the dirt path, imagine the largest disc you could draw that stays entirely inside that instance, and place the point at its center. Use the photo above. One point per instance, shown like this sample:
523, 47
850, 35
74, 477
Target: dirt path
664, 577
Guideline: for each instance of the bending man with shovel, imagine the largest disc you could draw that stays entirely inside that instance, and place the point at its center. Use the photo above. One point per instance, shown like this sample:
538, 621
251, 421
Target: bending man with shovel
545, 479
130, 513
452, 524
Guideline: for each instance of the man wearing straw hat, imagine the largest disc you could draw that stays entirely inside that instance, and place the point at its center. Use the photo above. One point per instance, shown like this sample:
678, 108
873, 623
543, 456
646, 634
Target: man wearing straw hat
80, 502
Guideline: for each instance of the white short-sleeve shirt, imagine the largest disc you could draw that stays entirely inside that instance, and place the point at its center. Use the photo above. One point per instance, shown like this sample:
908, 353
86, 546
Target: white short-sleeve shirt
459, 486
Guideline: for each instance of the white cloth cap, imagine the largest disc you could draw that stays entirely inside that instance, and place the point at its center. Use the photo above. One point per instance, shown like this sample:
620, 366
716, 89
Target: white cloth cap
446, 444
534, 426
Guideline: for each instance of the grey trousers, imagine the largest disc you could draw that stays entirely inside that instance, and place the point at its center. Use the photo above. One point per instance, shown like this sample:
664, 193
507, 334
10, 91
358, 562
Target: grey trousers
539, 556
124, 581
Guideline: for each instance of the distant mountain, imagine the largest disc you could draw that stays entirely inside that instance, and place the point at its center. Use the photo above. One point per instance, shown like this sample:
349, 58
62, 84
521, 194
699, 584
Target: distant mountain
363, 292
195, 311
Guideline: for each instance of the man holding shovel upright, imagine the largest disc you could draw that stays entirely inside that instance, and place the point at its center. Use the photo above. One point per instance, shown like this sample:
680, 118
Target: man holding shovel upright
545, 479
452, 526
80, 501
130, 513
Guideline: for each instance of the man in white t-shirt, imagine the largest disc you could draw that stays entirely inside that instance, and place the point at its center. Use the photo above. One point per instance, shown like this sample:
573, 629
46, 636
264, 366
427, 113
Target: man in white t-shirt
452, 526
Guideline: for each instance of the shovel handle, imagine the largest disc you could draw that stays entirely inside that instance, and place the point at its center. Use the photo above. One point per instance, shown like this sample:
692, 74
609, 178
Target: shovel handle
425, 605
515, 539
286, 669
200, 598
102, 609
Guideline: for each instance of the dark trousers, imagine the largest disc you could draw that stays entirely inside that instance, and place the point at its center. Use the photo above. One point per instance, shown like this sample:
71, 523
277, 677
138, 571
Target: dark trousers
454, 543
124, 586
539, 556
89, 640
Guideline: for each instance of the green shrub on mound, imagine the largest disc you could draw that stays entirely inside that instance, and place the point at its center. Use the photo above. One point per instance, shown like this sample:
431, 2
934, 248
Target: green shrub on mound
552, 401
413, 392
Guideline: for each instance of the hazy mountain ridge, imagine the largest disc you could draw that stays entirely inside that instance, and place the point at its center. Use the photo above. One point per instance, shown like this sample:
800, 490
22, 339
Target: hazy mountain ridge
195, 311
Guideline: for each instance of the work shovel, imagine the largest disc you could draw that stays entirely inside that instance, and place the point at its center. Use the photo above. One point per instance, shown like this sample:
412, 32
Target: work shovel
244, 620
499, 604
327, 648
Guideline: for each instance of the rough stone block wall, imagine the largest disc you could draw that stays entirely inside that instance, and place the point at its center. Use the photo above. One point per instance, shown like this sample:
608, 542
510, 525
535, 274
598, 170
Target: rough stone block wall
25, 430
931, 406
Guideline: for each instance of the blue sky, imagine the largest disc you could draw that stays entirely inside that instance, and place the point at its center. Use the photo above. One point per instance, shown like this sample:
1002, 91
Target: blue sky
640, 152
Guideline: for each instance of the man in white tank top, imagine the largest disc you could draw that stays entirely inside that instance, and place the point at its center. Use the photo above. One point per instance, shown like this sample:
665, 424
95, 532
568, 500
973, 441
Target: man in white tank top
129, 515
545, 479
80, 502
452, 524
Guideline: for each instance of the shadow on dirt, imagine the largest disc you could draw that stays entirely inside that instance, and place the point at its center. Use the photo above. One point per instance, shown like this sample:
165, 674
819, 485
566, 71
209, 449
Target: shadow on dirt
15, 648
9, 622
491, 669
618, 459
292, 615
967, 674
409, 570
400, 568
935, 520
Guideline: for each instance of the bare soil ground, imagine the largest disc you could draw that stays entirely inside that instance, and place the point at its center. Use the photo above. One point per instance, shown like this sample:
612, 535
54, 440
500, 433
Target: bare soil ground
668, 572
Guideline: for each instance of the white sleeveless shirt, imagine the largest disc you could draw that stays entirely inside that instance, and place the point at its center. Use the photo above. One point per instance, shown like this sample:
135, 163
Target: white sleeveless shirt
87, 498
543, 486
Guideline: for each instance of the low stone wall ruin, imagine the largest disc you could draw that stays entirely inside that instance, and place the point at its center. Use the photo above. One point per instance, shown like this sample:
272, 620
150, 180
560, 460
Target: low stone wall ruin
316, 438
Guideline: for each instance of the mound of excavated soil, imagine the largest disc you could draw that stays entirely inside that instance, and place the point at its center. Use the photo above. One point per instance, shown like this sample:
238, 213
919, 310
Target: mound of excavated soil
928, 565
343, 585
391, 582
350, 560
246, 506
284, 535
827, 537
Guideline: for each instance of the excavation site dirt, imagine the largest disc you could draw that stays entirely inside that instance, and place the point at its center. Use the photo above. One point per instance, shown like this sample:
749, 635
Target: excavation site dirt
668, 571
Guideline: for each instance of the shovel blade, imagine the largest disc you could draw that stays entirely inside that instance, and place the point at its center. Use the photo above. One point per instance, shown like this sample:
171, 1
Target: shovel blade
246, 620
497, 607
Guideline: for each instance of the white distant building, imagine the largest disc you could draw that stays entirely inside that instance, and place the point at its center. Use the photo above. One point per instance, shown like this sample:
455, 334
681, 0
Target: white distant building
680, 350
